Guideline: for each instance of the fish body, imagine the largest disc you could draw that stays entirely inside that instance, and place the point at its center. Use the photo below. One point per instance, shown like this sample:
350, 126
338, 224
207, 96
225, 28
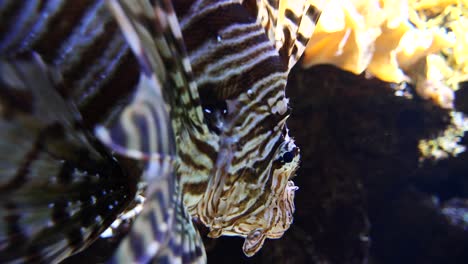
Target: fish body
237, 181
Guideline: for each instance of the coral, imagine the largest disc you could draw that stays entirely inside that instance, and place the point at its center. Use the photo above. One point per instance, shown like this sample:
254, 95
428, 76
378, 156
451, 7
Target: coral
423, 42
447, 144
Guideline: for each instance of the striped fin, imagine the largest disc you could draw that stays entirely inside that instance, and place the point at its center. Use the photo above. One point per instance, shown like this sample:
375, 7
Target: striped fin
186, 237
288, 24
143, 131
83, 42
163, 231
151, 230
156, 40
59, 188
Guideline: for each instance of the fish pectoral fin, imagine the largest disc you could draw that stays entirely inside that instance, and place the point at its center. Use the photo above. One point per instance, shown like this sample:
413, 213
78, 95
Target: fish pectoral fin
155, 38
59, 188
163, 232
142, 131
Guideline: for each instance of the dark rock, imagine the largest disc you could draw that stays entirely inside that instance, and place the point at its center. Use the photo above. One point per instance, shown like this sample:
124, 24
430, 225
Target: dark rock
461, 98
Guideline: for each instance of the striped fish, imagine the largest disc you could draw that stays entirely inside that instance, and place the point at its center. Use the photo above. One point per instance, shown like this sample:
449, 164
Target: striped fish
234, 157
237, 179
163, 232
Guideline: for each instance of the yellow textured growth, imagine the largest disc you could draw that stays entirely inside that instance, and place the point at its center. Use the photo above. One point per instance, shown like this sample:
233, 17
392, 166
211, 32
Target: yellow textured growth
420, 41
344, 37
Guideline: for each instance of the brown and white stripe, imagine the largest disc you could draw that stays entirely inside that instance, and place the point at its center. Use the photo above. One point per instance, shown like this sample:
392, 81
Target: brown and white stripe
59, 187
288, 24
241, 78
163, 231
101, 77
83, 42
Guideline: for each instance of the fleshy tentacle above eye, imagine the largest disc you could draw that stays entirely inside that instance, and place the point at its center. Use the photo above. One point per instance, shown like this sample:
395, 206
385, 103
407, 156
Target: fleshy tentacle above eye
163, 231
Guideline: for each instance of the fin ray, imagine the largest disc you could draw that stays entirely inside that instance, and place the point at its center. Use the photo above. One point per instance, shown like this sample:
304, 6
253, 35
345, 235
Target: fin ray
61, 188
163, 229
288, 24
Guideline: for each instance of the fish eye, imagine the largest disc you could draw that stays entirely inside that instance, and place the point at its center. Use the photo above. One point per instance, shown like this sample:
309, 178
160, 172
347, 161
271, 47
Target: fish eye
215, 111
288, 156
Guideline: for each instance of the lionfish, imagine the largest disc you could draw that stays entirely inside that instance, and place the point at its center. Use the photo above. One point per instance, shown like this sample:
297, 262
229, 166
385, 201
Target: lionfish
161, 112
